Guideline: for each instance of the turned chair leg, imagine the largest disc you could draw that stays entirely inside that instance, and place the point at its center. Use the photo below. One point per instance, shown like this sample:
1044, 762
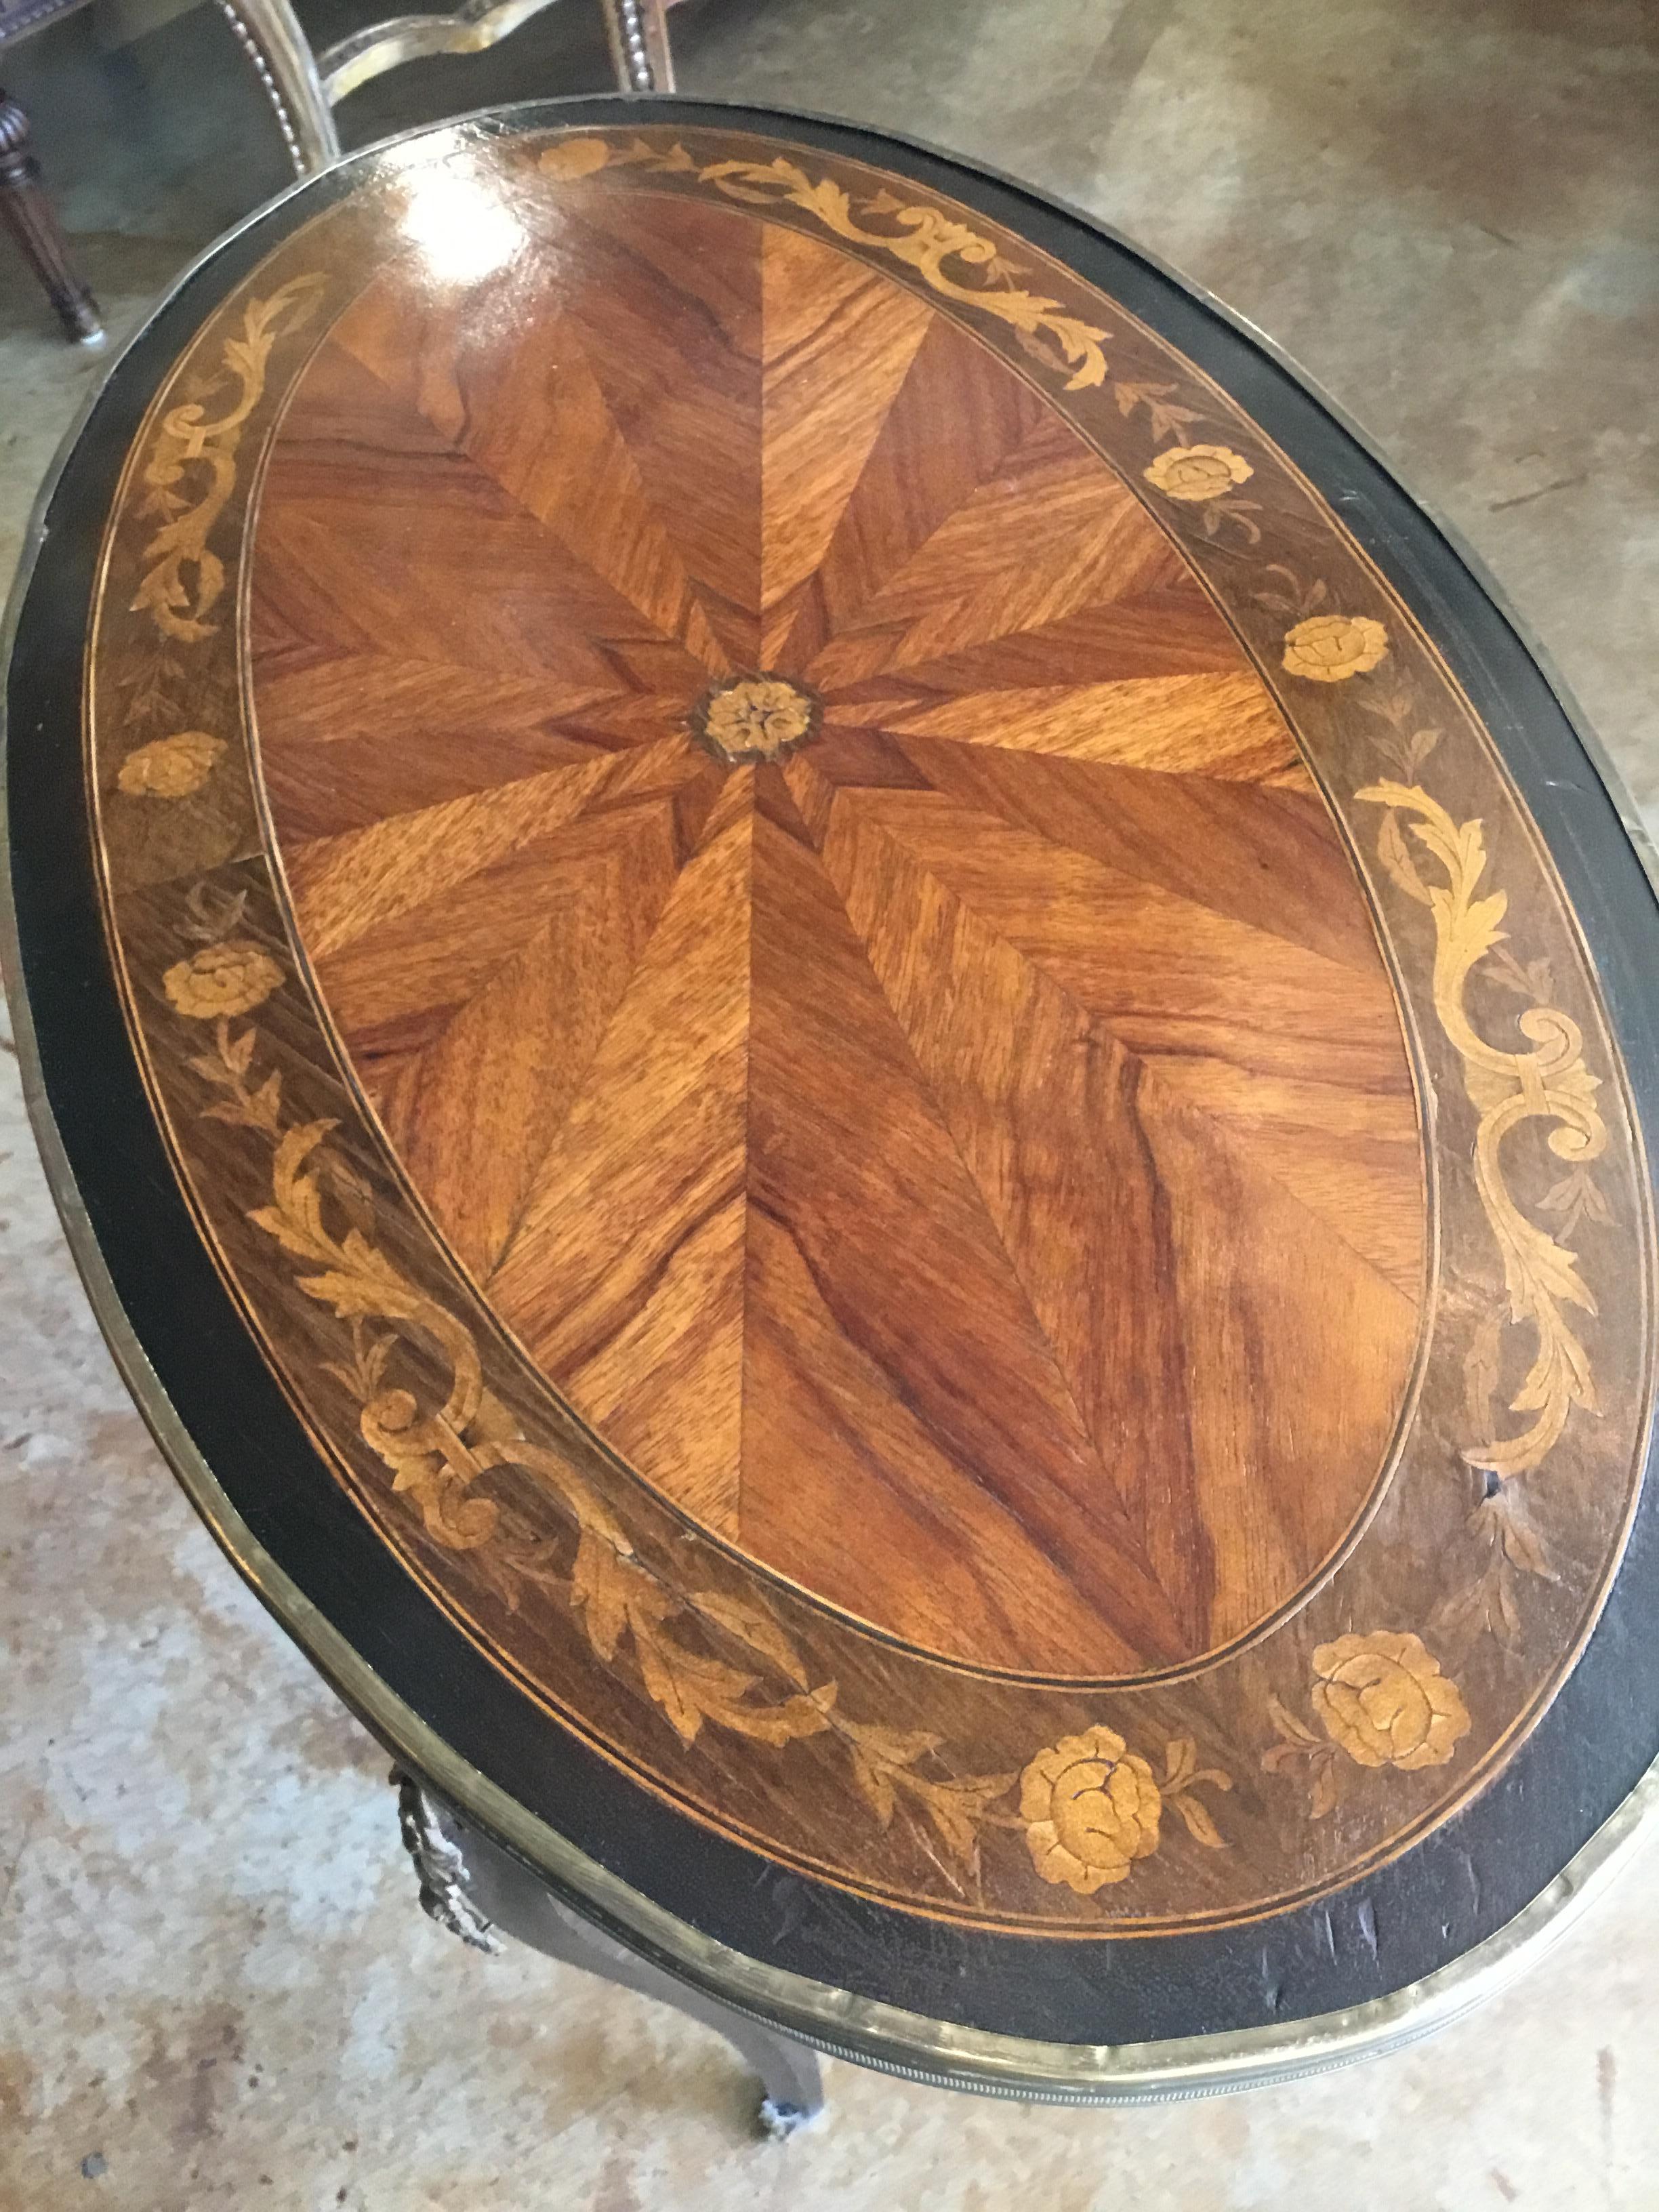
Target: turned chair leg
32, 222
639, 44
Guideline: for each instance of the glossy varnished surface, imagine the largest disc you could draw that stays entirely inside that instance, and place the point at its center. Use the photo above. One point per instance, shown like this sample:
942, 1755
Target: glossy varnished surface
881, 1055
969, 1162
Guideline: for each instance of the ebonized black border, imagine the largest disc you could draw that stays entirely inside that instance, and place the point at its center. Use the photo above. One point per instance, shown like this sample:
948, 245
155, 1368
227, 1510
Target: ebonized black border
1428, 1908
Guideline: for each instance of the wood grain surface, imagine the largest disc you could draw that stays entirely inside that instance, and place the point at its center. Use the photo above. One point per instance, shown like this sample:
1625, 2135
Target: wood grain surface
886, 1064
971, 1164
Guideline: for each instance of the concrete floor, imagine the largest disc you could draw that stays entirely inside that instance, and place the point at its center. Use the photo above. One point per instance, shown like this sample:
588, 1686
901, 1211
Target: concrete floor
217, 1989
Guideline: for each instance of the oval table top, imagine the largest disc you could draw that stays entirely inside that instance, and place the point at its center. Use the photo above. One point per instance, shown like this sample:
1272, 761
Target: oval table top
858, 1070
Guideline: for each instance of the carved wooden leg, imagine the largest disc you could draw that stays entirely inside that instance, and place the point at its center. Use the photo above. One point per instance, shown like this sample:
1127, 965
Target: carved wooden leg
471, 1886
639, 44
32, 222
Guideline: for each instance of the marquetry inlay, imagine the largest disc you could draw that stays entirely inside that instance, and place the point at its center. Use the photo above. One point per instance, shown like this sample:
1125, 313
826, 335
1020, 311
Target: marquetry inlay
756, 718
877, 1046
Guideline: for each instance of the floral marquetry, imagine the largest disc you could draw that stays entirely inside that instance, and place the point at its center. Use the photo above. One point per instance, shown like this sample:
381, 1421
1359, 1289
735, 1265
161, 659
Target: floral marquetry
171, 767
1091, 1809
1330, 648
232, 978
756, 718
1195, 473
1384, 1698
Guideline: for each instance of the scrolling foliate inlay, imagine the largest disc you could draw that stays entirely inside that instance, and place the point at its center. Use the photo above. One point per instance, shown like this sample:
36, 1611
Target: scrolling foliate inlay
922, 238
1550, 1081
192, 471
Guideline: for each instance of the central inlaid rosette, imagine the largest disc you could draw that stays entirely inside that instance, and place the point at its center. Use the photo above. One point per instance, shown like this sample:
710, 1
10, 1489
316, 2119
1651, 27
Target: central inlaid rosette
756, 718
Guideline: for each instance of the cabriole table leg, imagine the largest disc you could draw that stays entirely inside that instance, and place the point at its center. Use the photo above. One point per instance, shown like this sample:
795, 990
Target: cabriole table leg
471, 1886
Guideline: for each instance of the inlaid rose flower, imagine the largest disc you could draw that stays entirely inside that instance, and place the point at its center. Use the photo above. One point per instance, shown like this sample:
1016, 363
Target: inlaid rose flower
1384, 1698
574, 158
222, 979
1090, 1808
1328, 648
1197, 472
171, 767
754, 718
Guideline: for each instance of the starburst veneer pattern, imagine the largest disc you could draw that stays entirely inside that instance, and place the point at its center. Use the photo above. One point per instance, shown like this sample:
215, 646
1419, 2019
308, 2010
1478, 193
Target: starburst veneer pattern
912, 1136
